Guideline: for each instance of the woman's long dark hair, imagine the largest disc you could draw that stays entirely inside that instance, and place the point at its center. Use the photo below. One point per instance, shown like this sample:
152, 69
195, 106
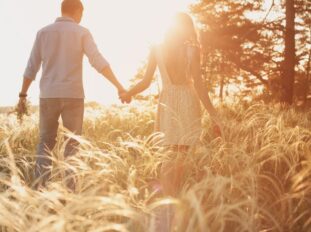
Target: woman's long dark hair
177, 40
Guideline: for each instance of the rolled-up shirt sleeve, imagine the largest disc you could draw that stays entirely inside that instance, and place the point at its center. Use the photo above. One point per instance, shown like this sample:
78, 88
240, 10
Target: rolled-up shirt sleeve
91, 51
34, 61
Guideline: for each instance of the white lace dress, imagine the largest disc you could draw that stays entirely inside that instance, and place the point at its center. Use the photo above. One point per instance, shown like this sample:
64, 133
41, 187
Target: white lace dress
179, 112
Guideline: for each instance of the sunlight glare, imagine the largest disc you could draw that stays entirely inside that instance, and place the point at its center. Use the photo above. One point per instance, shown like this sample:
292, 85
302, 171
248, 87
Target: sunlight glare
122, 30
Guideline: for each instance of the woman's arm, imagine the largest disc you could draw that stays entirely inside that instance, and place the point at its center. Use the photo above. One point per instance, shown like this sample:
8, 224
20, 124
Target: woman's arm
146, 81
201, 89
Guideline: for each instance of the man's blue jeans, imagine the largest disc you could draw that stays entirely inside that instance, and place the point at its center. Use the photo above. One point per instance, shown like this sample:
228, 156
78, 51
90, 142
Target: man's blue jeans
71, 111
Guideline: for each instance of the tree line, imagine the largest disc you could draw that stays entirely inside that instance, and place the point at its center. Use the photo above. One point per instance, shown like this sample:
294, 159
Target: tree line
261, 46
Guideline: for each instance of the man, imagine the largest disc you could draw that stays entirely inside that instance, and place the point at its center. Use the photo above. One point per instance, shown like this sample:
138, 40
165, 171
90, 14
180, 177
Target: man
60, 47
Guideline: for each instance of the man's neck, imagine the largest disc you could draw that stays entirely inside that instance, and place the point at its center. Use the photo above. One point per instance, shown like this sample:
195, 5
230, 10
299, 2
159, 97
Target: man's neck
68, 16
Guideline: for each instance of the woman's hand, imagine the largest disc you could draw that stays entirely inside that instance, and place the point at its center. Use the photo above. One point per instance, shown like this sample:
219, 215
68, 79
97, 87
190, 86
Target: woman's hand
217, 130
217, 127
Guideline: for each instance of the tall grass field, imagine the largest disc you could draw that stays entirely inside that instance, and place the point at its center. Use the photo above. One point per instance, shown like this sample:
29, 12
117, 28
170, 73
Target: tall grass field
257, 177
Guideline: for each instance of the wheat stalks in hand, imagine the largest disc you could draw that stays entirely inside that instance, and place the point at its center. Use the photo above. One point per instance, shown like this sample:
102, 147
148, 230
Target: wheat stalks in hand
21, 109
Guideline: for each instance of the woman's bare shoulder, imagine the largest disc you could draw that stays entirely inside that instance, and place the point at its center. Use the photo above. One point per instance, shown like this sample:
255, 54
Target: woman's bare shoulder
154, 48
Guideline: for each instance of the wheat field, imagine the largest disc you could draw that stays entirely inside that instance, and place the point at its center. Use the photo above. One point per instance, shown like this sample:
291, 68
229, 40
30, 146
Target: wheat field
256, 178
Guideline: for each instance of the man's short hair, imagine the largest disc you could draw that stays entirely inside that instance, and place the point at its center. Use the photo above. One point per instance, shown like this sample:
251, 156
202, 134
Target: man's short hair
70, 6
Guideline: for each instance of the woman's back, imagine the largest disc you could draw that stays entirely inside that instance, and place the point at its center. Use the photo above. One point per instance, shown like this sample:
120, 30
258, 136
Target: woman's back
179, 113
175, 65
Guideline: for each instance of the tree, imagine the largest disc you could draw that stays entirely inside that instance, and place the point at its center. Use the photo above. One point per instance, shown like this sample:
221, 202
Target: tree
236, 48
303, 51
288, 74
244, 44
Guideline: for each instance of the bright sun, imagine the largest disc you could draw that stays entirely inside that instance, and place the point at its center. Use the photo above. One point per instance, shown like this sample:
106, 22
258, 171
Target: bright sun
147, 18
123, 31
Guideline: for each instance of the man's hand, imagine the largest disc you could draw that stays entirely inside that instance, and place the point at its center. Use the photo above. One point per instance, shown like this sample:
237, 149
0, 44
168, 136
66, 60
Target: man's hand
125, 97
21, 108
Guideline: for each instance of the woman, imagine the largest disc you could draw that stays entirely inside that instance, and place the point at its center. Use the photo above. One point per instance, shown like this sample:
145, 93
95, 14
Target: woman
178, 60
179, 113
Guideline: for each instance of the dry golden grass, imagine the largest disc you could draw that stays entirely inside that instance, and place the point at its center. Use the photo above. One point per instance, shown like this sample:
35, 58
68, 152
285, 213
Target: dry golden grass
257, 178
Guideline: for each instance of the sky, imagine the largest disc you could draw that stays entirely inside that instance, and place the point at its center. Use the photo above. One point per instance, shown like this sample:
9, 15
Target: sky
122, 29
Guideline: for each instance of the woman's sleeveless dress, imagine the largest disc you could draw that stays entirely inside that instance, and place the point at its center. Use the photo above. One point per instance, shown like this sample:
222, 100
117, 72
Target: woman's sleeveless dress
179, 112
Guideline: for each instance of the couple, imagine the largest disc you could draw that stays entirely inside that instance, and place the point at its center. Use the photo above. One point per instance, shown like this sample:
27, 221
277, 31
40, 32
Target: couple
60, 48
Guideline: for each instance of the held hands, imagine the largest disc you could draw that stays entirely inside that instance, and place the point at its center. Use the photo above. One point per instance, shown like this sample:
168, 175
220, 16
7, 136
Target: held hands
125, 97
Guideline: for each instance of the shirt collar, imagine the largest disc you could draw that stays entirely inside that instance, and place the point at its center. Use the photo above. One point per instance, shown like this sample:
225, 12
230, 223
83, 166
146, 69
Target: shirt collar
65, 19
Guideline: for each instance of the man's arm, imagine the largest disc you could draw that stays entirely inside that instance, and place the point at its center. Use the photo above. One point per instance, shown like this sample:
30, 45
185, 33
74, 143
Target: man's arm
26, 84
33, 65
108, 73
98, 61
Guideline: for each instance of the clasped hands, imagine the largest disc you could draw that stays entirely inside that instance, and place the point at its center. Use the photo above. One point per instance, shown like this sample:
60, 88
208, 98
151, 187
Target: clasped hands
125, 96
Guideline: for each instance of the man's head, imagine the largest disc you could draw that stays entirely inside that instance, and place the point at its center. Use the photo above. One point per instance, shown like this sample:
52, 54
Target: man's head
73, 9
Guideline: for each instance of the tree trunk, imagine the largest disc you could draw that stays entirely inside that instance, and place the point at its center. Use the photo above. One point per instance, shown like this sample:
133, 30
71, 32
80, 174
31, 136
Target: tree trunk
288, 72
221, 90
308, 78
